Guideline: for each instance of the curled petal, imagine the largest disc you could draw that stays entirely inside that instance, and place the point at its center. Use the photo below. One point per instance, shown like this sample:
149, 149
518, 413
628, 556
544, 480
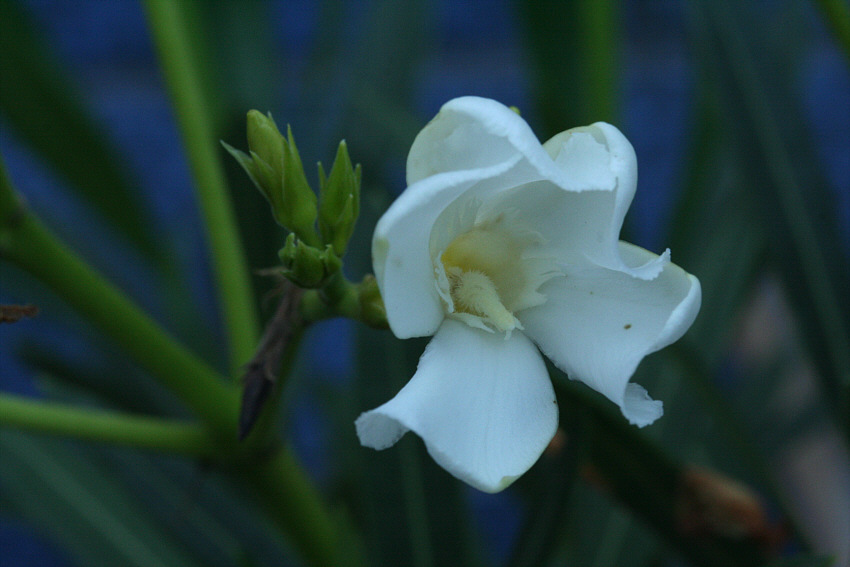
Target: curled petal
600, 153
597, 325
401, 255
471, 133
483, 405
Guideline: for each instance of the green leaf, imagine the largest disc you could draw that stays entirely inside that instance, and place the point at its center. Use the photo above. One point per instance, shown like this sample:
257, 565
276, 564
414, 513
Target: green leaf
83, 505
42, 105
549, 486
645, 478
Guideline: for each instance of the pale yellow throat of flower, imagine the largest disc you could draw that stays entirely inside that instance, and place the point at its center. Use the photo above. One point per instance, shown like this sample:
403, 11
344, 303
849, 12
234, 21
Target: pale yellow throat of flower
489, 277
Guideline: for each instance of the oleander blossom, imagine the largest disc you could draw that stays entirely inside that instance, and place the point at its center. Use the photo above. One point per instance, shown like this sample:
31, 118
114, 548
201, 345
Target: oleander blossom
501, 246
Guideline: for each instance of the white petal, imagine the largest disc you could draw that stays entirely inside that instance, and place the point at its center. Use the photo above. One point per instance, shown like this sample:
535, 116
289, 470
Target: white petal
401, 255
583, 154
483, 405
597, 325
472, 132
575, 226
597, 153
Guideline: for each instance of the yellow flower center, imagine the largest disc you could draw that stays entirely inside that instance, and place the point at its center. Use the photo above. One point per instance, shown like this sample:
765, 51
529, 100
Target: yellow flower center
488, 277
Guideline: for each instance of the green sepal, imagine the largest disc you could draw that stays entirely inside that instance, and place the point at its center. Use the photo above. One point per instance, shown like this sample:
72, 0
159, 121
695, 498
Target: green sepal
306, 266
275, 168
372, 309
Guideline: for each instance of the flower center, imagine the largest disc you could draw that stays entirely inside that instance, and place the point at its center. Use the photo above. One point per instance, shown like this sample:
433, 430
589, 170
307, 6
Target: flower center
488, 276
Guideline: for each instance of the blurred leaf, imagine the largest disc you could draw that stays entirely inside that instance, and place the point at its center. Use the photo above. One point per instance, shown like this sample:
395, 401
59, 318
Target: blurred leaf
837, 16
648, 481
42, 105
345, 89
191, 502
242, 68
550, 484
795, 206
397, 523
95, 378
87, 510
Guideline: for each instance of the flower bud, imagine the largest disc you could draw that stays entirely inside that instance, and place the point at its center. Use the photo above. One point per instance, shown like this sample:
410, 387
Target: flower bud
265, 140
340, 201
372, 310
275, 168
306, 266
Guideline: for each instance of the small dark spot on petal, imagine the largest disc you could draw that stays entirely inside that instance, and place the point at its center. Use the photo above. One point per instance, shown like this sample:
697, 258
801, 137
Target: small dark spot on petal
627, 326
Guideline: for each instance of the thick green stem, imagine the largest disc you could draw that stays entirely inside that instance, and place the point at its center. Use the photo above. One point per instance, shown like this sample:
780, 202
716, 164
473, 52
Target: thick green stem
599, 58
280, 484
28, 244
159, 434
229, 264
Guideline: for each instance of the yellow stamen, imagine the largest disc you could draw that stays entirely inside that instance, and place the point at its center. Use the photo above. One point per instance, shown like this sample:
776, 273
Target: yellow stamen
474, 293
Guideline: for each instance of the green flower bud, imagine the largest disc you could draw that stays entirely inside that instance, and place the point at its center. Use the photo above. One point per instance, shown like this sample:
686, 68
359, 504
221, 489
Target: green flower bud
340, 200
372, 310
274, 166
265, 140
306, 266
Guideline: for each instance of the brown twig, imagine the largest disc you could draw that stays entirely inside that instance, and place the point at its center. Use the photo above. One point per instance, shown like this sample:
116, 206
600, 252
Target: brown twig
261, 373
13, 313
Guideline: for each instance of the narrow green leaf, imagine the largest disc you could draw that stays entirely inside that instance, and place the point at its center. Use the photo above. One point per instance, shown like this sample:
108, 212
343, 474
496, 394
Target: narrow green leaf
82, 505
169, 27
646, 479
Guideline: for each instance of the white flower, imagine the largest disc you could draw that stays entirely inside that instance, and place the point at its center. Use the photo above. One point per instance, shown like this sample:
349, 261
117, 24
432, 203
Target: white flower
499, 244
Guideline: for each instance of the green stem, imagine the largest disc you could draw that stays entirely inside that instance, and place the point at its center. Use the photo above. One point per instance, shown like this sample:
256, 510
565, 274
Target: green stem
598, 59
27, 243
52, 418
229, 264
280, 484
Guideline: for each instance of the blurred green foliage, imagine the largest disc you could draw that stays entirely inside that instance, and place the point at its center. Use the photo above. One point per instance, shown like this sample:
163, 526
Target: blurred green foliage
753, 213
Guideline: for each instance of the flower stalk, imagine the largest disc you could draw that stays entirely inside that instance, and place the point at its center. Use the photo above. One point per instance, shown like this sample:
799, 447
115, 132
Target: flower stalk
229, 264
275, 476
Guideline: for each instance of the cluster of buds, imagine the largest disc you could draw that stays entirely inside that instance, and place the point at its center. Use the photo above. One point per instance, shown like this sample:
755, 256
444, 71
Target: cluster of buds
311, 254
319, 231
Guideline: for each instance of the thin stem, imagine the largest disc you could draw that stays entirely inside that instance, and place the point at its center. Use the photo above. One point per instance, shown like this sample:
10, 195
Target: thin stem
599, 57
52, 418
229, 264
279, 483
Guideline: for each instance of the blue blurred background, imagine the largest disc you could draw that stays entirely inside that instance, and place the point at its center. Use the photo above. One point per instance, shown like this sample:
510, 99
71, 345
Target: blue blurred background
360, 71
